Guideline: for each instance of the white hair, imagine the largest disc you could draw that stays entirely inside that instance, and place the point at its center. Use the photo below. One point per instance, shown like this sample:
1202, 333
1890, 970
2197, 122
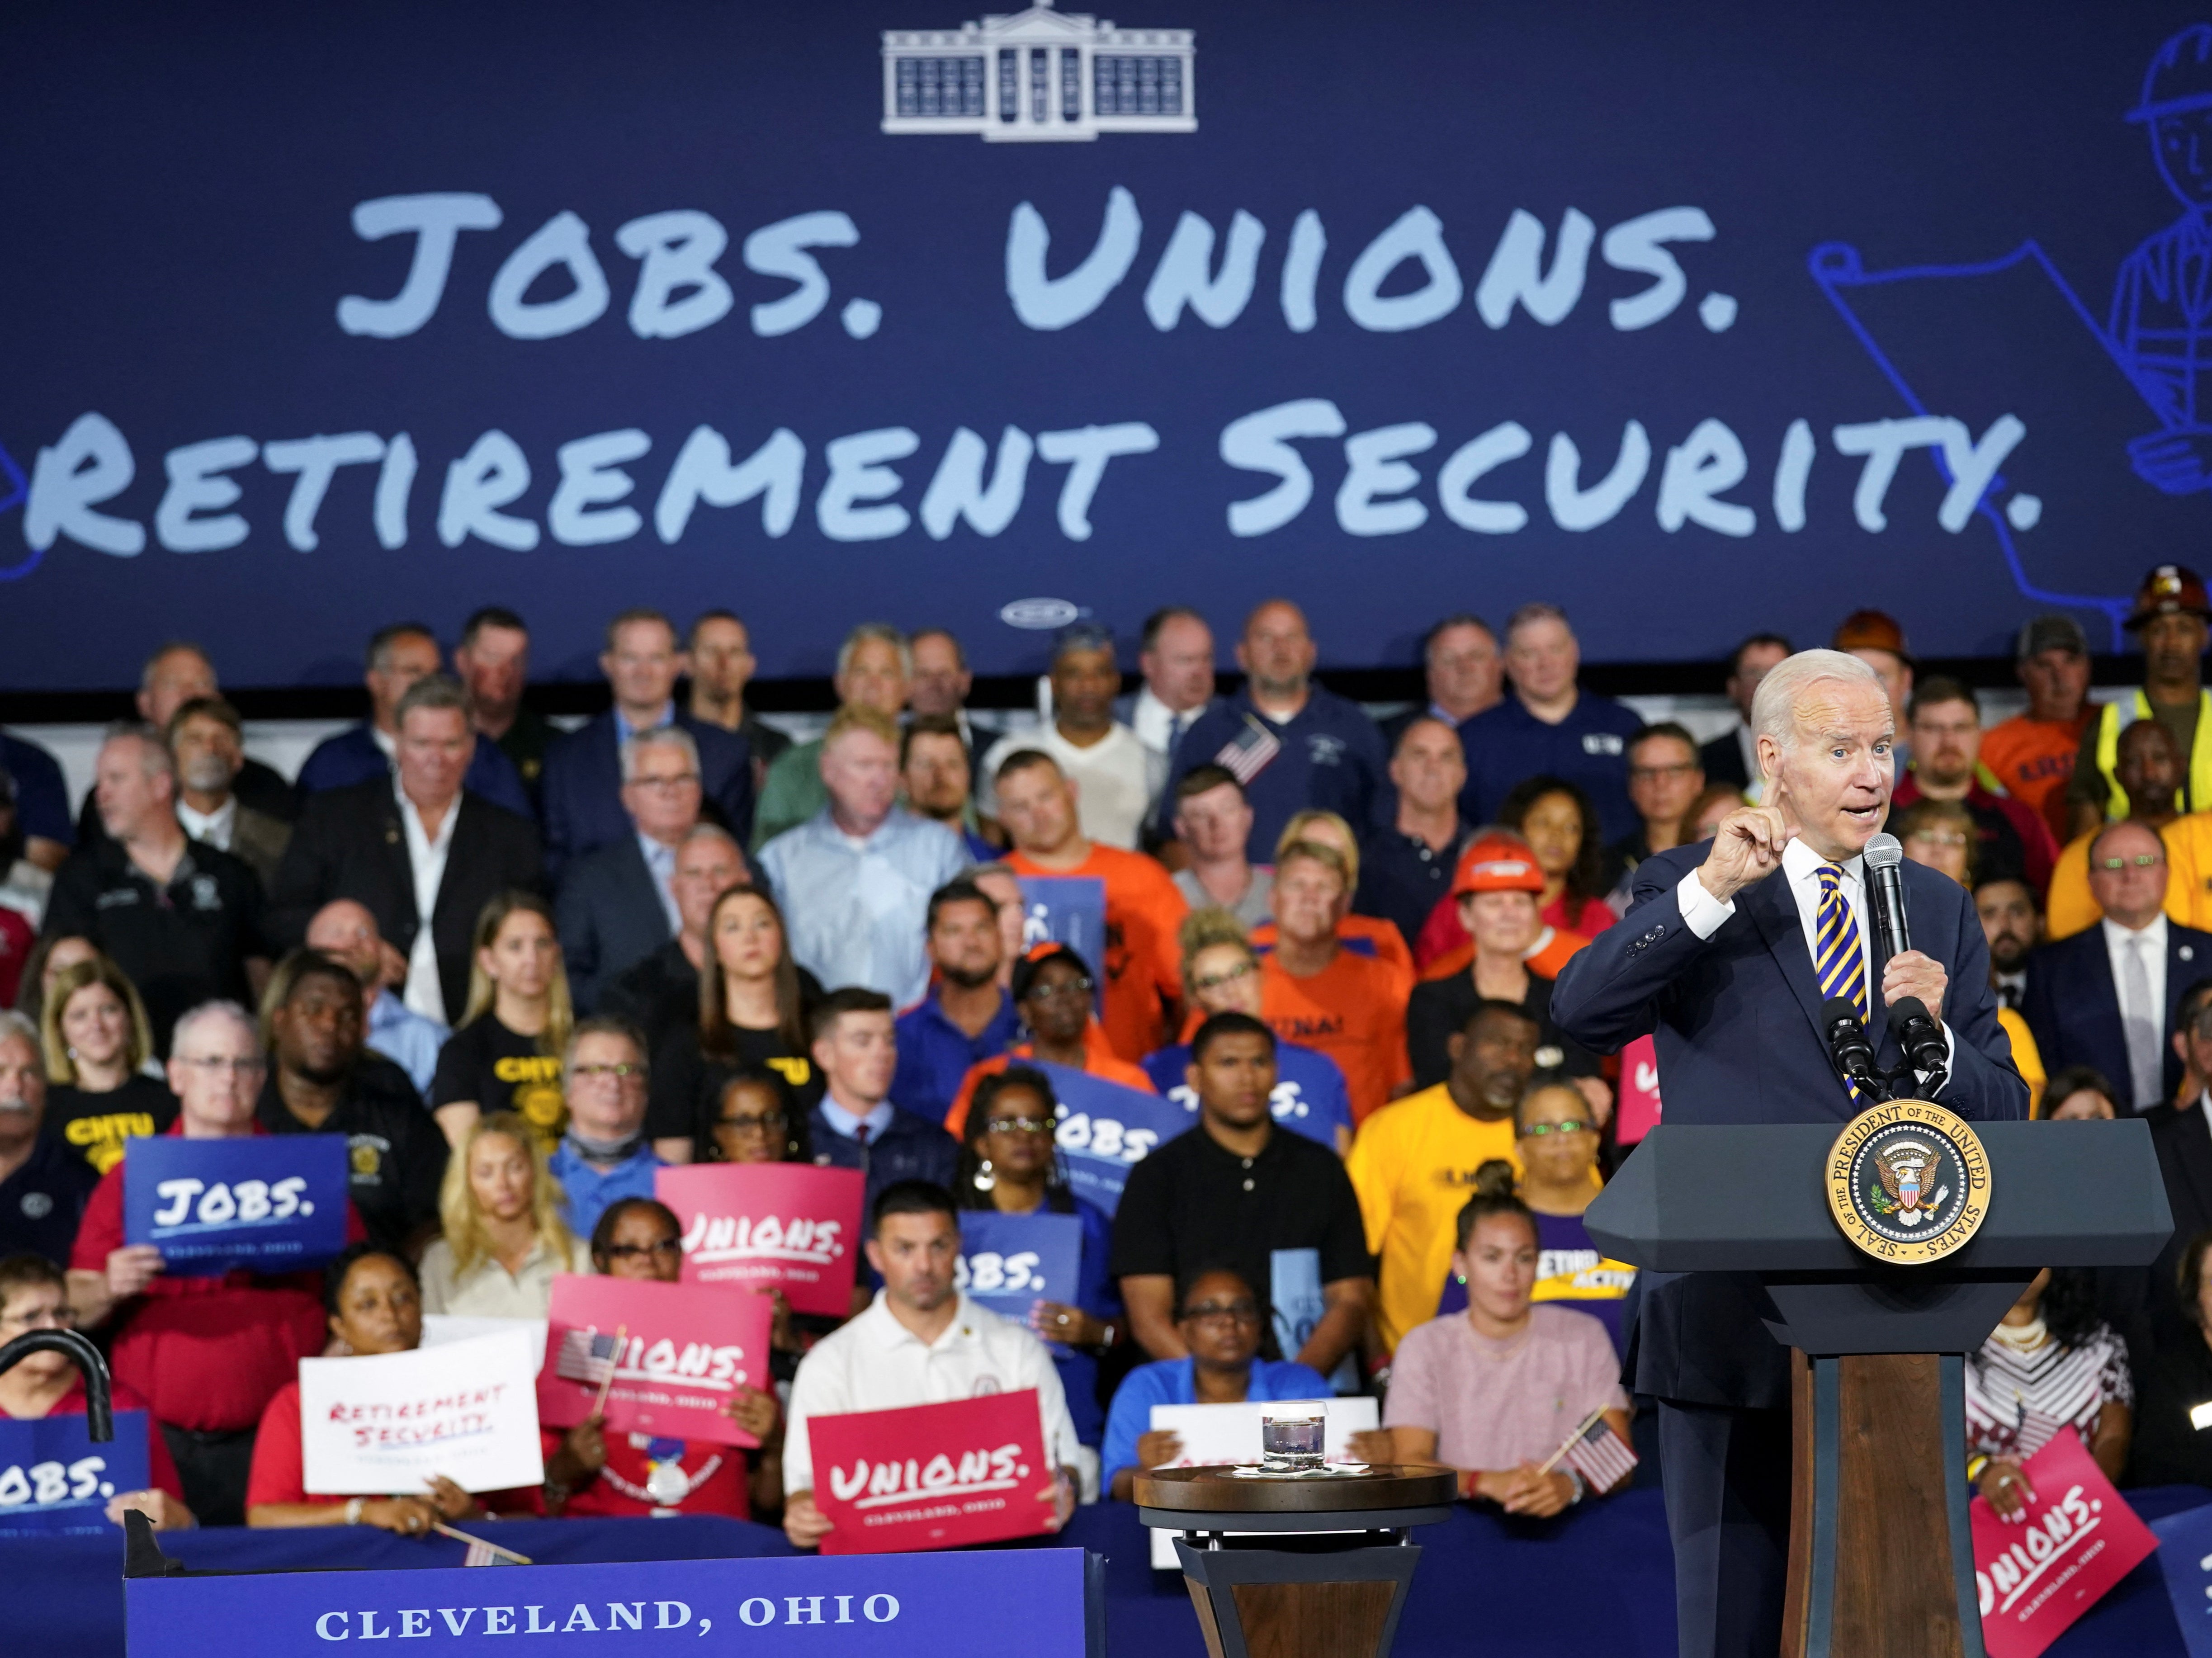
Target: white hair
1774, 705
659, 737
192, 1018
705, 831
884, 633
19, 1028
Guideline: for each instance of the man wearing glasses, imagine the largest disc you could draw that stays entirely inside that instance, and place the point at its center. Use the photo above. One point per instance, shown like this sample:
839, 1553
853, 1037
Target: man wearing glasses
619, 904
2107, 998
1665, 778
604, 1155
206, 1353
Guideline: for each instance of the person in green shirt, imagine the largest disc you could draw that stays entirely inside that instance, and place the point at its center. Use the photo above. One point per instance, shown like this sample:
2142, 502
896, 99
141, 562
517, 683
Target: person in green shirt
875, 670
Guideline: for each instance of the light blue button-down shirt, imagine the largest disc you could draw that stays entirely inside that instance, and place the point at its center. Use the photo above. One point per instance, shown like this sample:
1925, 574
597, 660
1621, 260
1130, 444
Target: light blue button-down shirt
660, 864
403, 1035
857, 907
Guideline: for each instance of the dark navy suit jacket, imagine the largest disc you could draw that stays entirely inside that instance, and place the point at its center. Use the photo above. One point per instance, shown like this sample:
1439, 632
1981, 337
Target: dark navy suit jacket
582, 785
352, 756
609, 917
2073, 1008
1736, 1019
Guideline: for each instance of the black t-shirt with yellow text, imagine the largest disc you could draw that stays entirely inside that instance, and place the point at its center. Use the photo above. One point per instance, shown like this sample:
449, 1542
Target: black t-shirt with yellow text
502, 1070
95, 1126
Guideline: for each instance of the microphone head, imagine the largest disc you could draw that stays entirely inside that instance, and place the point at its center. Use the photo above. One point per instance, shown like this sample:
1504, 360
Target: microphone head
1838, 1010
1907, 1009
1884, 851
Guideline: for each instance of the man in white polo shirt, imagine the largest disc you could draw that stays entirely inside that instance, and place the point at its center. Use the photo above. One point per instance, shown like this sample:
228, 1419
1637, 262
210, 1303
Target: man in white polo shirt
922, 1342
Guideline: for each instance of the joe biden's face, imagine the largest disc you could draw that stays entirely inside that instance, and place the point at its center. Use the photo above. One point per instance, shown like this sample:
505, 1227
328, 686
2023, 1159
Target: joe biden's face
1832, 779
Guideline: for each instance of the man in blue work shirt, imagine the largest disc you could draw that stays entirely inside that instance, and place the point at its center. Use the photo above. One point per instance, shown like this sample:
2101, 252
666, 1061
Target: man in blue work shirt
967, 1017
1548, 726
1293, 745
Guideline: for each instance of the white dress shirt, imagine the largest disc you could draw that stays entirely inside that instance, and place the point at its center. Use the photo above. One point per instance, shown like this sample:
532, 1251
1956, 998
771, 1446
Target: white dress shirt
1703, 914
660, 864
212, 828
426, 858
2120, 944
876, 1364
1159, 728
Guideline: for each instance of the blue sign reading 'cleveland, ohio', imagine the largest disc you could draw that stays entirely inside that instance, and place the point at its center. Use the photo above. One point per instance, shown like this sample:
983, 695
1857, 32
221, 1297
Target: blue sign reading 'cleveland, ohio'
273, 1204
1030, 1603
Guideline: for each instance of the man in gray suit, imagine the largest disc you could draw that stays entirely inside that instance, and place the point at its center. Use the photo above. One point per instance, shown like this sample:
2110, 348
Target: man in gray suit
617, 904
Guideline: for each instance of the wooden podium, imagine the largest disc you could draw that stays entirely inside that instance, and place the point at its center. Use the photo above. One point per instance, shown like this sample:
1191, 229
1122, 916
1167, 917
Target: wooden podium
1327, 1577
1882, 1559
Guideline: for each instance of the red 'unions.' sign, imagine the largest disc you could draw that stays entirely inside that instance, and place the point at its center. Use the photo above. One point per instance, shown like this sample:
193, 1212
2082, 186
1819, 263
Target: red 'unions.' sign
782, 1226
932, 1476
2075, 1539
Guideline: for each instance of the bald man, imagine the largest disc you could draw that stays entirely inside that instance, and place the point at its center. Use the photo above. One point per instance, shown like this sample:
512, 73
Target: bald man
1293, 745
346, 930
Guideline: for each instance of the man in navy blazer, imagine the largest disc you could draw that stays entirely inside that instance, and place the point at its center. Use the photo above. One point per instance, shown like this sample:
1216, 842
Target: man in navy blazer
2107, 998
582, 784
1715, 959
618, 905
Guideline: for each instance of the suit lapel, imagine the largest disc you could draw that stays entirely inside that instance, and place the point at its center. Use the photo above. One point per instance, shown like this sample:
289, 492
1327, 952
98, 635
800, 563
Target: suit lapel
392, 833
1773, 911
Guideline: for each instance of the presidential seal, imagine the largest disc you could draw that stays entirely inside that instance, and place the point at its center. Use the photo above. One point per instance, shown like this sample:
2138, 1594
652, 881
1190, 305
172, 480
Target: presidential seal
1908, 1181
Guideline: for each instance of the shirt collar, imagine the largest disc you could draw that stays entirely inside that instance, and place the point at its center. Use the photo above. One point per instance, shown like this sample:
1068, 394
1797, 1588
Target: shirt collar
624, 731
410, 816
658, 858
2153, 935
204, 825
1799, 861
887, 1333
385, 742
848, 1124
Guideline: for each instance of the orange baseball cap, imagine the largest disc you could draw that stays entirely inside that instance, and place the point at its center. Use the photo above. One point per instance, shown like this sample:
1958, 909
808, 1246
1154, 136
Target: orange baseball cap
1871, 630
1498, 863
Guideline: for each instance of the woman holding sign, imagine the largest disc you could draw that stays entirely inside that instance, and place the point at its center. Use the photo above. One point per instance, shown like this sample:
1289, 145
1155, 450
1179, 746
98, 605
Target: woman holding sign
750, 1018
587, 1473
1221, 1320
2051, 1364
506, 1056
504, 1240
375, 1306
35, 1296
1010, 1164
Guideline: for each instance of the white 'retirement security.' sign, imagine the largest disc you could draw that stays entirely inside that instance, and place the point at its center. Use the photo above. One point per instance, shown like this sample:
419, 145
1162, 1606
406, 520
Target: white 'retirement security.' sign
386, 1426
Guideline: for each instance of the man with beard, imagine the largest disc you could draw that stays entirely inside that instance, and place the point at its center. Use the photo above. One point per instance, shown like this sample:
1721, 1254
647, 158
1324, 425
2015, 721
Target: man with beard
322, 1080
1415, 1163
1946, 724
207, 738
2013, 926
967, 1017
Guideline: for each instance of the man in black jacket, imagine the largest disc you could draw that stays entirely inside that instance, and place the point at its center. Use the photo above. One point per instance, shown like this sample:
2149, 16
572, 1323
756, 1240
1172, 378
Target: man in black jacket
421, 854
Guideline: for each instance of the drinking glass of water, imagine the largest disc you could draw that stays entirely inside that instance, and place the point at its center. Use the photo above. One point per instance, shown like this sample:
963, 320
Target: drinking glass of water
1290, 1438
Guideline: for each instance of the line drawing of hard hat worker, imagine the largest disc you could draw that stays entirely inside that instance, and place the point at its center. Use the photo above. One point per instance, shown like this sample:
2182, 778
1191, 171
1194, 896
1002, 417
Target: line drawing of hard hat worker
2161, 326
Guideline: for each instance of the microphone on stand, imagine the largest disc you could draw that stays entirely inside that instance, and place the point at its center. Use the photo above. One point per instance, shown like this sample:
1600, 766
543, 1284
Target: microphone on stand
1917, 1033
1850, 1050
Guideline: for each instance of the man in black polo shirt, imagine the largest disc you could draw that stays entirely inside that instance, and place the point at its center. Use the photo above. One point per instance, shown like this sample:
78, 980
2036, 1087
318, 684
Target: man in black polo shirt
182, 919
1236, 1192
1406, 871
322, 1080
44, 1184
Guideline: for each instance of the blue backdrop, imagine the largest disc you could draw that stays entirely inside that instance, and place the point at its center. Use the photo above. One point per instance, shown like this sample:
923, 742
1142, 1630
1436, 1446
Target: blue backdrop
1701, 317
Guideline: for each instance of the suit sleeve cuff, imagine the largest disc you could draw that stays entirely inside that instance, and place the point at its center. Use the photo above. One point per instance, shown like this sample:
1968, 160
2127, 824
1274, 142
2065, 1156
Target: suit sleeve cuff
1702, 913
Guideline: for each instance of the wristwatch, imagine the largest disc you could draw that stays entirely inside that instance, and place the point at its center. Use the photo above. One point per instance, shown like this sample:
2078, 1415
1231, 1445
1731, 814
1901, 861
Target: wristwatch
354, 1506
1581, 1485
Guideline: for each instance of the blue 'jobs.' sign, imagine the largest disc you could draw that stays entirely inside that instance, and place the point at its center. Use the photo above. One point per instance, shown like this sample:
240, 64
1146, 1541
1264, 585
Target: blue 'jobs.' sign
1031, 1603
54, 1479
1010, 1262
271, 1203
1105, 1129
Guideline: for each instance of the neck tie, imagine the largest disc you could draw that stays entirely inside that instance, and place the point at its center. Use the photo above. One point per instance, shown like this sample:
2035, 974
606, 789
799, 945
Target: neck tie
1837, 960
2141, 1022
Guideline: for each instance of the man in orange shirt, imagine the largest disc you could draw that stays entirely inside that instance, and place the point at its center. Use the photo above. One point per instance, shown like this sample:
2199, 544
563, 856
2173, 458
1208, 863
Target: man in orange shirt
2032, 754
1144, 911
1315, 991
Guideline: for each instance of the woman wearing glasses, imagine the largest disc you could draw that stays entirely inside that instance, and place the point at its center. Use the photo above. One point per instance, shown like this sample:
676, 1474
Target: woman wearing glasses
1221, 1320
592, 1473
504, 1239
1556, 1138
1009, 1164
1221, 975
752, 1016
1054, 993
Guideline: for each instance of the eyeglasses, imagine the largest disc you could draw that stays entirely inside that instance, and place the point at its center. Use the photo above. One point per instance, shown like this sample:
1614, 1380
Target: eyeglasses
1018, 1126
1215, 981
1215, 1312
2141, 860
681, 779
1536, 1131
1077, 987
210, 1064
627, 1251
768, 1122
593, 1073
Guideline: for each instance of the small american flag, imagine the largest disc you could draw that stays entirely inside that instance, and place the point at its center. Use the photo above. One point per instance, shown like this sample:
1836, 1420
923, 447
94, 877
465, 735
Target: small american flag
1250, 752
482, 1554
1596, 1453
587, 1356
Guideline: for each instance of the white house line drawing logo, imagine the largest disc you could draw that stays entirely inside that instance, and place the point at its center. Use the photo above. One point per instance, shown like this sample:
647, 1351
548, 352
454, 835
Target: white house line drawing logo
1039, 75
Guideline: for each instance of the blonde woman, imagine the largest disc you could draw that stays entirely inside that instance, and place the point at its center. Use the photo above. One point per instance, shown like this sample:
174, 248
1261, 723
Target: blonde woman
95, 1036
504, 1240
1221, 975
1362, 935
506, 1054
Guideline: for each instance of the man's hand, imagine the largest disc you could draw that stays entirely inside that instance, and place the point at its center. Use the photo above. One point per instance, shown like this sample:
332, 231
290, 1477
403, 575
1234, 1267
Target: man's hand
1746, 849
756, 1413
1912, 973
131, 1268
803, 1523
1374, 1445
1600, 1096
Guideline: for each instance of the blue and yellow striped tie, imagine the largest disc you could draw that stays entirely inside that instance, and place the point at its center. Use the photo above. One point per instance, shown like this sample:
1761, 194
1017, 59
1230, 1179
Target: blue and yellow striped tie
1839, 963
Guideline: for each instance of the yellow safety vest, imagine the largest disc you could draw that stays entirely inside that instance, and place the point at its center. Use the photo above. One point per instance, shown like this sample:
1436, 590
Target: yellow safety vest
2118, 717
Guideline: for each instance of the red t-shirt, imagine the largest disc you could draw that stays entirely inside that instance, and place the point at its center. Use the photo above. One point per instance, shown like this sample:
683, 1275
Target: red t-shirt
205, 1353
161, 1468
1144, 961
714, 1476
280, 1475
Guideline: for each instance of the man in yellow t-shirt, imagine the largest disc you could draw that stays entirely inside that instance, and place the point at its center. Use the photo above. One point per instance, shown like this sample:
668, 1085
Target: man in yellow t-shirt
1414, 1161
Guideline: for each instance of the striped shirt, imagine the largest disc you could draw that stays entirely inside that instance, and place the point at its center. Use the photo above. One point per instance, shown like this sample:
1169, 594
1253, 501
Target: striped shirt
2016, 1403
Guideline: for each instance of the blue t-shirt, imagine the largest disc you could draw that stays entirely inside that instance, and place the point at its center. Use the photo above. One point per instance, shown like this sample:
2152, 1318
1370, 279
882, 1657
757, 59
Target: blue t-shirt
1507, 744
1309, 1096
1174, 1382
1331, 759
591, 1192
934, 1054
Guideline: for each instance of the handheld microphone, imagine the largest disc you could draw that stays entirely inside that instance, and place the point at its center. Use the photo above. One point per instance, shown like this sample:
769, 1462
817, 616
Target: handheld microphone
1885, 894
1849, 1047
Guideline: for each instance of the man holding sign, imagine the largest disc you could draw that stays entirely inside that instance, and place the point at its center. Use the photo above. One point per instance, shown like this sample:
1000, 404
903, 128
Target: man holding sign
922, 1342
208, 1353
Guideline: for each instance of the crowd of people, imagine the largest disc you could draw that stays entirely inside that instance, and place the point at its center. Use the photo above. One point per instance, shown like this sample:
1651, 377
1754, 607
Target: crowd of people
521, 969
